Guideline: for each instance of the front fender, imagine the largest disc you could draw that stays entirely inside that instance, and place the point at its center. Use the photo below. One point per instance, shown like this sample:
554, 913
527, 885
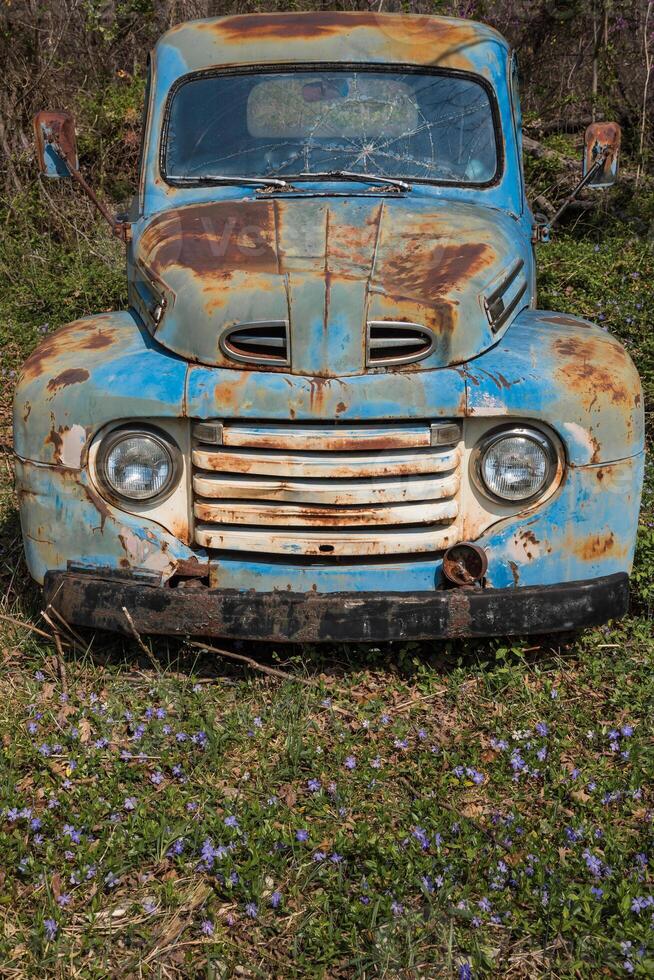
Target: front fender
90, 372
568, 373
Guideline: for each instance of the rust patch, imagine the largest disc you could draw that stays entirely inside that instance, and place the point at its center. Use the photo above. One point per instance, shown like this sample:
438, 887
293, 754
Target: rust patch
459, 613
55, 439
71, 376
227, 394
284, 26
26, 411
563, 320
74, 338
529, 536
430, 275
340, 408
213, 239
419, 38
596, 547
318, 393
597, 450
191, 568
515, 573
594, 368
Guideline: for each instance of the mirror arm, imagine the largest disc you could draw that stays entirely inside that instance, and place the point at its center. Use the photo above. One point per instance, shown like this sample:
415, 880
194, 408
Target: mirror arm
541, 232
120, 229
594, 170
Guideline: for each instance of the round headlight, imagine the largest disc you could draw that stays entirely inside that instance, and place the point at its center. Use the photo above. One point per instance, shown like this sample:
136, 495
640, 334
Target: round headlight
138, 465
515, 465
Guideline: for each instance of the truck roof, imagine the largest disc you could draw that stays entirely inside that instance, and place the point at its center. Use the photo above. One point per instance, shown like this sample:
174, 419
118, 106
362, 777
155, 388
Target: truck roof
332, 37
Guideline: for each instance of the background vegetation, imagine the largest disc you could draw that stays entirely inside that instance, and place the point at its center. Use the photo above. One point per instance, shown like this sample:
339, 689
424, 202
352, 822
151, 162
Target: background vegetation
422, 810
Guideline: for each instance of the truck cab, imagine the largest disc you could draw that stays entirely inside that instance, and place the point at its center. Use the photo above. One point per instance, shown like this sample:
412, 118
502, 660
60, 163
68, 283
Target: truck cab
332, 410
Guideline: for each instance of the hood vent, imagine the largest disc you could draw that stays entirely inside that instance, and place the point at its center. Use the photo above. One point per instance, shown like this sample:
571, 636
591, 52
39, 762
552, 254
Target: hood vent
261, 342
396, 342
506, 297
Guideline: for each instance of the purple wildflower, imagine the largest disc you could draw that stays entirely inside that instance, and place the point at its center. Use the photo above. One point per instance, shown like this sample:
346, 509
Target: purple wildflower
50, 927
275, 899
252, 910
350, 762
206, 927
302, 835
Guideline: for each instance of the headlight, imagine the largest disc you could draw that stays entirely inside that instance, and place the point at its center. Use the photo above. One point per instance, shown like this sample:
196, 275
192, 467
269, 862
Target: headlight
138, 464
514, 464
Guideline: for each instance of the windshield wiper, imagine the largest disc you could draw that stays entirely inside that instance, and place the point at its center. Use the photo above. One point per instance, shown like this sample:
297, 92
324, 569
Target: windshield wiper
275, 182
395, 182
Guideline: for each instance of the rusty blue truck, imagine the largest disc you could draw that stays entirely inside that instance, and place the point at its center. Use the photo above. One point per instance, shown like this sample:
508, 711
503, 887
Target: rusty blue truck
332, 410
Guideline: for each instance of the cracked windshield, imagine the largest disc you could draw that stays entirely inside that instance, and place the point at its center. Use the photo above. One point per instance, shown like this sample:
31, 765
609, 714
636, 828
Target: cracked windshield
425, 126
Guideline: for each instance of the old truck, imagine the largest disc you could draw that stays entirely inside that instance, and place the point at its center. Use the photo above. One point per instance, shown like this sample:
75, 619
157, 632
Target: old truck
332, 410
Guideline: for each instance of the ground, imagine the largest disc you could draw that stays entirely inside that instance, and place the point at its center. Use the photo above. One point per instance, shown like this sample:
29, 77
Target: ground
459, 809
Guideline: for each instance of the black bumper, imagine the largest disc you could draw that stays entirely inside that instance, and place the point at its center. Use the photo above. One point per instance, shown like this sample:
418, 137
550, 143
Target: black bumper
95, 600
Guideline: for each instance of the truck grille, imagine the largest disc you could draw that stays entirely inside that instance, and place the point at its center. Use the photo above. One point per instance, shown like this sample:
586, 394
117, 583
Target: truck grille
321, 490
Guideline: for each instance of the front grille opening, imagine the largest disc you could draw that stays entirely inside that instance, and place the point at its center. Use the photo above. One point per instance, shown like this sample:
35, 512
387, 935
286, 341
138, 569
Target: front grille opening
258, 343
397, 343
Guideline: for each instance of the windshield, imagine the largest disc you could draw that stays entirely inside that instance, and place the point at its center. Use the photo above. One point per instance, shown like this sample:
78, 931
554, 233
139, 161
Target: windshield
416, 124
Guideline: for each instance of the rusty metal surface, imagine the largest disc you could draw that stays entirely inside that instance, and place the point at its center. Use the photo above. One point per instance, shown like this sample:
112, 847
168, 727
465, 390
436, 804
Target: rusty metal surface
465, 564
64, 518
331, 36
91, 600
327, 268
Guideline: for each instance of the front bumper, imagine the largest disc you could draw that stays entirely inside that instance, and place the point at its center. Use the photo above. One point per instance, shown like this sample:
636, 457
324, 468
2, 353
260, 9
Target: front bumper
97, 600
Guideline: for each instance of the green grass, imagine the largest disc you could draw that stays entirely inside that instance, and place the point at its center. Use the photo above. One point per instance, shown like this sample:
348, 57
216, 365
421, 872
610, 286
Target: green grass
464, 831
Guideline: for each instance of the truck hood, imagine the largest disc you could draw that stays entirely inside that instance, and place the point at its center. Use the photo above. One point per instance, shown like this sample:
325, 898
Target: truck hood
327, 267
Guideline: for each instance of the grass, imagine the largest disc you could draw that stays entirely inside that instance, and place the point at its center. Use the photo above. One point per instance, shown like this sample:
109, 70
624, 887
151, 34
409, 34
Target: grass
421, 810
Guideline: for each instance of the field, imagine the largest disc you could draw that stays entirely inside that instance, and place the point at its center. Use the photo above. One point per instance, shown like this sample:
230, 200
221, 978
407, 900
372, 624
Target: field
459, 809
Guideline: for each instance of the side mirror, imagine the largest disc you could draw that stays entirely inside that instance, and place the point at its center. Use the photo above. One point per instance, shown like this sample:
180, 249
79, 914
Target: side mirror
56, 145
601, 146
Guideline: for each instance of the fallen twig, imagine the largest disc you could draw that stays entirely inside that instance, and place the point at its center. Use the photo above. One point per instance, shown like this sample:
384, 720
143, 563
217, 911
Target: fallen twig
137, 636
271, 671
27, 626
55, 612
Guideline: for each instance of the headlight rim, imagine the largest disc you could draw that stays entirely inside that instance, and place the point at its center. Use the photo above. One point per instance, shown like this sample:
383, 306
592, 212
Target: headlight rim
128, 431
546, 442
